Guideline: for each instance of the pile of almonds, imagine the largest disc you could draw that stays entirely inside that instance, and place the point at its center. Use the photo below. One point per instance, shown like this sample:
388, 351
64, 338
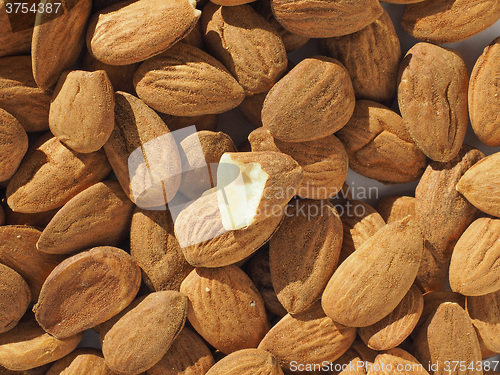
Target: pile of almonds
285, 271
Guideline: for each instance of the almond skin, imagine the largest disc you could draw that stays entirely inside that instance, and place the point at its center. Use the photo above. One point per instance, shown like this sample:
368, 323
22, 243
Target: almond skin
480, 185
432, 273
112, 280
303, 253
324, 19
397, 357
484, 312
13, 42
246, 44
14, 145
373, 280
473, 269
247, 362
379, 146
78, 226
82, 110
432, 300
82, 360
484, 101
438, 128
15, 298
314, 100
133, 31
214, 294
374, 71
51, 174
447, 21
185, 81
396, 207
309, 337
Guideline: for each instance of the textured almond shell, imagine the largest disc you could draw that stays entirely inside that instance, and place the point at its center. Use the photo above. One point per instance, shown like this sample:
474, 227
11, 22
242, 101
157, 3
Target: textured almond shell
14, 145
13, 42
432, 300
15, 297
133, 31
449, 21
374, 71
432, 96
480, 185
218, 293
323, 19
51, 174
186, 81
379, 146
309, 337
246, 44
99, 215
140, 338
396, 207
303, 253
314, 100
399, 361
484, 312
373, 280
247, 362
474, 263
397, 326
86, 290
324, 161
87, 361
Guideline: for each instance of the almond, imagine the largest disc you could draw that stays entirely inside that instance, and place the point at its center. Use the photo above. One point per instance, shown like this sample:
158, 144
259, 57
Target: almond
349, 364
81, 361
58, 39
432, 274
188, 355
78, 226
13, 147
307, 338
82, 110
247, 362
185, 81
432, 300
218, 293
480, 185
449, 21
314, 100
396, 327
110, 280
397, 362
15, 298
140, 338
303, 253
156, 250
396, 207
373, 280
235, 36
484, 312
203, 122
379, 146
434, 109
473, 270
14, 39
51, 174
374, 71
323, 19
131, 31
37, 220
324, 161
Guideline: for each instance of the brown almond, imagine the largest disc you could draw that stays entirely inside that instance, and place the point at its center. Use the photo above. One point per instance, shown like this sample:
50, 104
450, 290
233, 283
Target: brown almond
374, 71
373, 280
324, 19
397, 362
307, 338
188, 355
246, 44
432, 300
156, 250
217, 293
82, 110
324, 161
473, 269
432, 96
350, 363
484, 312
379, 146
247, 362
81, 361
79, 226
140, 338
13, 147
480, 185
314, 100
20, 95
204, 122
15, 39
51, 174
149, 30
58, 39
37, 220
186, 81
303, 253
396, 207
432, 274
396, 327
441, 211
15, 298
110, 280
18, 251
449, 21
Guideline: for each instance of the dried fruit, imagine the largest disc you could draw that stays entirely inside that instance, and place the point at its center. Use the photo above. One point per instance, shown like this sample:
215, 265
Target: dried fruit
484, 312
13, 146
15, 297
